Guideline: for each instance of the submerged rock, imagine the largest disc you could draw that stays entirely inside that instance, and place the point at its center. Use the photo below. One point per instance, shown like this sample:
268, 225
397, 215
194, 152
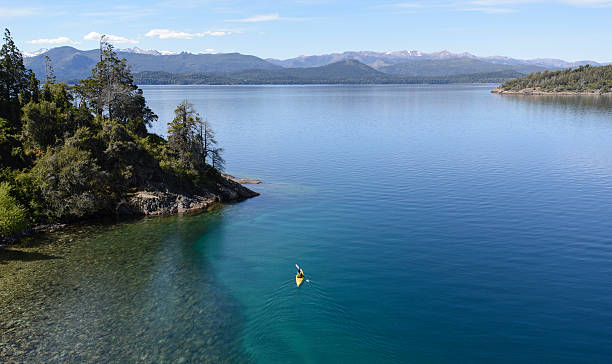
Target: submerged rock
244, 181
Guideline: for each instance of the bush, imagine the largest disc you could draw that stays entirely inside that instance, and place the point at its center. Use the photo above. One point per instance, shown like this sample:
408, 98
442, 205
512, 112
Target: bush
70, 183
12, 215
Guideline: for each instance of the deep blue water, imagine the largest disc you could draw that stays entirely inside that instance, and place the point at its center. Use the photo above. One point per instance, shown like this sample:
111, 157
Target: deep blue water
437, 224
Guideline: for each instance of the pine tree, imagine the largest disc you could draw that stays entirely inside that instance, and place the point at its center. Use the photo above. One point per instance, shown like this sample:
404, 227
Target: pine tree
13, 80
49, 73
192, 139
111, 92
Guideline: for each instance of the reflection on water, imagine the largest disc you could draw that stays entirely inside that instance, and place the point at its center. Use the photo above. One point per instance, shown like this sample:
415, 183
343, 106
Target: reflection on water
565, 102
130, 292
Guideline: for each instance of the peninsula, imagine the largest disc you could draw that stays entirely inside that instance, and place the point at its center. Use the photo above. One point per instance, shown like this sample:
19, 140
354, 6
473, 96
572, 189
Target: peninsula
69, 153
583, 80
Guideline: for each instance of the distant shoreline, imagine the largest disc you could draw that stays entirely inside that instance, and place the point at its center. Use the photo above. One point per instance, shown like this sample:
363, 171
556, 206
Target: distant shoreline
536, 92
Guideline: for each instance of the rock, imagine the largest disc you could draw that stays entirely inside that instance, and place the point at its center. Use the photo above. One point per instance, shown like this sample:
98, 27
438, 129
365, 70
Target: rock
169, 203
243, 181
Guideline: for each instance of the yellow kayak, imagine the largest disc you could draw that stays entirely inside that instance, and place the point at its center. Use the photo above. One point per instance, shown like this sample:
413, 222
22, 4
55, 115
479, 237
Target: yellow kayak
299, 280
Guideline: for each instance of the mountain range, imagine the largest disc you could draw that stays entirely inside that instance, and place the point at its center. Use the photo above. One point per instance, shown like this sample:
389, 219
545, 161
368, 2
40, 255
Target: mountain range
71, 64
382, 59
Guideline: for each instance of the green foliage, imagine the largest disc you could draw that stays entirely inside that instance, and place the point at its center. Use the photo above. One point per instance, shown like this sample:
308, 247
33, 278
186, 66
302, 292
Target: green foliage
111, 92
14, 79
182, 137
72, 152
12, 215
47, 121
40, 124
192, 139
59, 93
11, 152
581, 79
70, 183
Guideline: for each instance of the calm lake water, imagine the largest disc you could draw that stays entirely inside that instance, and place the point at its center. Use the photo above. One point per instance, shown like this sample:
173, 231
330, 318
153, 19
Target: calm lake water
436, 224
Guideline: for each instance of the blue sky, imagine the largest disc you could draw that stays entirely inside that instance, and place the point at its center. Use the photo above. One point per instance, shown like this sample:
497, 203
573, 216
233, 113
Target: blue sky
567, 29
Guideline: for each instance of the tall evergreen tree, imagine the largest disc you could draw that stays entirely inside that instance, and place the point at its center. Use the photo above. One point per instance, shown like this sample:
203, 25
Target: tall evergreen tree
49, 72
192, 139
111, 92
13, 80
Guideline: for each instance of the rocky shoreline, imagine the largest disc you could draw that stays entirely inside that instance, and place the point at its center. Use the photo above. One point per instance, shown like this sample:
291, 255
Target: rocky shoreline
155, 202
537, 92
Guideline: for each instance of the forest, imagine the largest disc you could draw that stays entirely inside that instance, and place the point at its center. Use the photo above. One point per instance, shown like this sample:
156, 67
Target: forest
74, 152
580, 79
343, 73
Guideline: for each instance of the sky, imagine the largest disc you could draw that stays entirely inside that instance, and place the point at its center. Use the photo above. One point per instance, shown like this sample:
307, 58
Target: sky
567, 29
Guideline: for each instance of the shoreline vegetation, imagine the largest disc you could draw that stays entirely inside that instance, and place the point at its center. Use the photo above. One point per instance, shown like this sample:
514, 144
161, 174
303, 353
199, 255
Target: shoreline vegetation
584, 80
349, 72
77, 153
539, 92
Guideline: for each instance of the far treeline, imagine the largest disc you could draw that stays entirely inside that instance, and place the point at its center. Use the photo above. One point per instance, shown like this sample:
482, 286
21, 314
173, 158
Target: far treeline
71, 152
583, 79
343, 72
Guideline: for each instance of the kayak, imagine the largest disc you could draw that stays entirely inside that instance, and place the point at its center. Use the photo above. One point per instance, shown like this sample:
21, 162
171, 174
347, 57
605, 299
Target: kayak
299, 280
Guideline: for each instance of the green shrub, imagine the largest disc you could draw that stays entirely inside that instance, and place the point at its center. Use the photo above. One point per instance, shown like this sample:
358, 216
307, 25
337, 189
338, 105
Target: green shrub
12, 215
71, 184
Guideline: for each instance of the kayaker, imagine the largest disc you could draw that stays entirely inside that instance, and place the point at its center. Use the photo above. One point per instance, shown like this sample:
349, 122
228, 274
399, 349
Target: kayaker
299, 274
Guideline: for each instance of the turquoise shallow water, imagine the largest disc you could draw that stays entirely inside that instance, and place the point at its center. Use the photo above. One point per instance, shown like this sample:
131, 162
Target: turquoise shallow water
437, 224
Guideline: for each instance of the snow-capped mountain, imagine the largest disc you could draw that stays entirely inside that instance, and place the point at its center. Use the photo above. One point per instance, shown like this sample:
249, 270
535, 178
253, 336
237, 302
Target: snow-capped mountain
382, 59
151, 52
35, 53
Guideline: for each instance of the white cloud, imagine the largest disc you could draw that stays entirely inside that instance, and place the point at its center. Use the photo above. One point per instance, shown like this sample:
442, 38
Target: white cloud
490, 10
115, 39
587, 3
218, 33
494, 6
175, 34
58, 40
14, 12
259, 18
171, 34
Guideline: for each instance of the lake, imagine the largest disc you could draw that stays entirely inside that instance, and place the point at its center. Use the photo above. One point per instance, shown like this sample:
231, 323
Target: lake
435, 224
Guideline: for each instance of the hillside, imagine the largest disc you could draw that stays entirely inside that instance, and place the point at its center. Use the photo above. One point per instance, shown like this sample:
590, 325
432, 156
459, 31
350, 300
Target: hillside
349, 71
584, 79
382, 59
345, 72
452, 66
72, 64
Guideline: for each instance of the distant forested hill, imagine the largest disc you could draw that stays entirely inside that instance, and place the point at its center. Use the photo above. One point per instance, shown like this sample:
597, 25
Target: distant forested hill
584, 79
453, 66
72, 64
349, 71
344, 72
